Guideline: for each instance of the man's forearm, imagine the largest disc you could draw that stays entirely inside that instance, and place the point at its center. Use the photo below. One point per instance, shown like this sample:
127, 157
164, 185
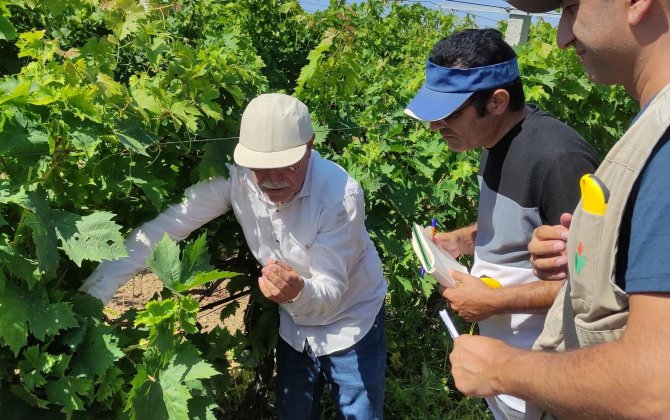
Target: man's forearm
626, 378
527, 297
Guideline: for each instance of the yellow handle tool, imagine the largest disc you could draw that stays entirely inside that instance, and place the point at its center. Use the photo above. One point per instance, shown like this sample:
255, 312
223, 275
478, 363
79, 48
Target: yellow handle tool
594, 194
491, 282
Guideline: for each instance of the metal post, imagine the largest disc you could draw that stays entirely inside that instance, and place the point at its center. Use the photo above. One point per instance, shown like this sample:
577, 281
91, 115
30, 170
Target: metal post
517, 28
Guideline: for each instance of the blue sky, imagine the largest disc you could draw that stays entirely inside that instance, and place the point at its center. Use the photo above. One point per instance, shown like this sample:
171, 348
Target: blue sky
484, 18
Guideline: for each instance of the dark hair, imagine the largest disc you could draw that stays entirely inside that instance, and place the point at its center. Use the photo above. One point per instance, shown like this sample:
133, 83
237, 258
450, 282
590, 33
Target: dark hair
478, 48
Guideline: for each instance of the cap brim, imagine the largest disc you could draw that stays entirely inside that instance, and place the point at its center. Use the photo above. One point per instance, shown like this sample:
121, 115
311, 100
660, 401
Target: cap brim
431, 105
248, 158
535, 6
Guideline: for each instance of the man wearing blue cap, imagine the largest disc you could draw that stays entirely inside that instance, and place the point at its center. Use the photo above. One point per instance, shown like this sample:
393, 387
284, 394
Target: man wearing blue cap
603, 352
529, 174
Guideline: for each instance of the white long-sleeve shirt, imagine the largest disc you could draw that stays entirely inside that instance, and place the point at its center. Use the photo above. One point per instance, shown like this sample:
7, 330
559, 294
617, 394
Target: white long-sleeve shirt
320, 233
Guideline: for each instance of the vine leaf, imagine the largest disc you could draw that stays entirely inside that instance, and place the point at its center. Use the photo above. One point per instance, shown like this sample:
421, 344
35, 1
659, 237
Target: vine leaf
44, 236
20, 308
7, 31
169, 392
67, 391
134, 137
191, 271
97, 352
94, 237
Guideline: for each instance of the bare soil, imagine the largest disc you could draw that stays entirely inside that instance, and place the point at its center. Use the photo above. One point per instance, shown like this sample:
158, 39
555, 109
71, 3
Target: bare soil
141, 288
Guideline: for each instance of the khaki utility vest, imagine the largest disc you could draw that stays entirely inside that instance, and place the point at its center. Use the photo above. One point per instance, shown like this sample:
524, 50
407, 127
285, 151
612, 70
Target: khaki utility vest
591, 308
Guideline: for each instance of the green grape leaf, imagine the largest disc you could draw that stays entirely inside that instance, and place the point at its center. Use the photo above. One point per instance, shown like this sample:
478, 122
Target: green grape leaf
212, 110
196, 258
187, 365
67, 391
14, 89
125, 17
186, 113
201, 408
158, 47
191, 271
48, 319
109, 86
86, 137
12, 410
320, 132
41, 223
214, 159
315, 57
175, 398
153, 187
96, 353
7, 31
17, 264
199, 279
55, 7
32, 367
146, 100
164, 262
20, 308
167, 395
145, 399
94, 237
81, 100
86, 305
20, 140
110, 384
134, 137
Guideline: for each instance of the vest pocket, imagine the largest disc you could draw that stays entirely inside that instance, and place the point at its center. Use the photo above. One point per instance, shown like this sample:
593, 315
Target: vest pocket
588, 338
583, 260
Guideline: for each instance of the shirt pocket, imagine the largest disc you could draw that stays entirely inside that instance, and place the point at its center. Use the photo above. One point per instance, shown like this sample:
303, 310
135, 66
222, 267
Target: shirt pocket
297, 248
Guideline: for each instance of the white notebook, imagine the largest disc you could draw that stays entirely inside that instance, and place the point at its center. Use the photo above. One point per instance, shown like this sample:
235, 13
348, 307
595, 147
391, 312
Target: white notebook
435, 261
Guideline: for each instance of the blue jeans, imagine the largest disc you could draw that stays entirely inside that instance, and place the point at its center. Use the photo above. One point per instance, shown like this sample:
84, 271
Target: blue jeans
355, 377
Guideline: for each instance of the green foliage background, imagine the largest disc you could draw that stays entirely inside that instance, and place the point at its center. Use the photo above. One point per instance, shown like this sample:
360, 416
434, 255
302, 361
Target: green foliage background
109, 109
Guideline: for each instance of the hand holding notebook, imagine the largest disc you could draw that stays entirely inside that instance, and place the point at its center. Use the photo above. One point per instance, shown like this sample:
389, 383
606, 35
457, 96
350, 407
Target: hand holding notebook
435, 261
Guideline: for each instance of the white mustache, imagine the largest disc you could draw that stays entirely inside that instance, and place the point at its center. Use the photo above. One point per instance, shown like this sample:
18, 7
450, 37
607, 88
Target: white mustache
267, 185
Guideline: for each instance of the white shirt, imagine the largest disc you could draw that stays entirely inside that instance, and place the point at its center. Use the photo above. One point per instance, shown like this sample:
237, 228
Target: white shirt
320, 233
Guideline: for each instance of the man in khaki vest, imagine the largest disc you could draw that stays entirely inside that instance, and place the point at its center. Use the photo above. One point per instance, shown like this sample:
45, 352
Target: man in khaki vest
604, 350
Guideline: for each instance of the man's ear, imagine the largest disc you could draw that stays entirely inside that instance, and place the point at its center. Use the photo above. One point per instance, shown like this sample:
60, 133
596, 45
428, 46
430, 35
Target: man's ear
310, 143
637, 10
498, 102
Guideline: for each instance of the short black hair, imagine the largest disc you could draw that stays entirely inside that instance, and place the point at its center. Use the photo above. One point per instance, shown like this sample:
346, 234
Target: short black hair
477, 48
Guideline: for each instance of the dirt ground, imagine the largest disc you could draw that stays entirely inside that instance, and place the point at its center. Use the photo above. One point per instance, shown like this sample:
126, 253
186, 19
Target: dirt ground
139, 290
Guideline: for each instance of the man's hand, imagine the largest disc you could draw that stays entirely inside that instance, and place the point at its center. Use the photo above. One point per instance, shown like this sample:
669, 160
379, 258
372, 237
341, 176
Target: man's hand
474, 363
457, 242
548, 249
279, 282
471, 299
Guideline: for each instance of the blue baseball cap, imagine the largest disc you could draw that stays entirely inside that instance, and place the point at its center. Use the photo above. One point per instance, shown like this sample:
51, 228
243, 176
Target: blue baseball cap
447, 88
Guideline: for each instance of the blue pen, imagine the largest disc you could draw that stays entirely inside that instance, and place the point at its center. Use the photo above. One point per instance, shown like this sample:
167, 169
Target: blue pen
433, 225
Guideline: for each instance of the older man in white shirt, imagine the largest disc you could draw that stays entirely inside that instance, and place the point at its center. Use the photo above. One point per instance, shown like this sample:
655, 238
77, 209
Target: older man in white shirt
303, 219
